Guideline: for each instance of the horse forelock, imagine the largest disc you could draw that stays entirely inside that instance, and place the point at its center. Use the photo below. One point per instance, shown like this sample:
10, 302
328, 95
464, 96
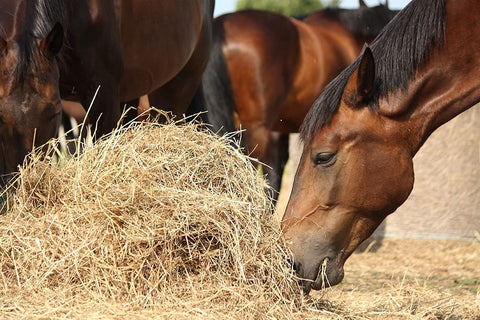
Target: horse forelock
400, 50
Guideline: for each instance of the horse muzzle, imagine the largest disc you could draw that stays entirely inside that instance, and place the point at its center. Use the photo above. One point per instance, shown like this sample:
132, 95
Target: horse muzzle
326, 273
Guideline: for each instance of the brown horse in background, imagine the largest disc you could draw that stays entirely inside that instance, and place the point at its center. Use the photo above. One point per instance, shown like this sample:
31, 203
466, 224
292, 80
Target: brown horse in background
266, 70
362, 132
68, 48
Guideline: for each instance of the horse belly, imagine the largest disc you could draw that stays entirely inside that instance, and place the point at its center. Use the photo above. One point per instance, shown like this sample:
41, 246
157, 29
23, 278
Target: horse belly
158, 39
292, 114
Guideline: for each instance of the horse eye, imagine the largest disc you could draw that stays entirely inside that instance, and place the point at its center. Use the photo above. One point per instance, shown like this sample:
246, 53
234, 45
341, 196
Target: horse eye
325, 159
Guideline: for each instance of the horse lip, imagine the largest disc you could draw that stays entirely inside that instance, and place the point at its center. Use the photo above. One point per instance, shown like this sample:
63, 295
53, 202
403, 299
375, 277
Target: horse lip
321, 281
317, 283
326, 281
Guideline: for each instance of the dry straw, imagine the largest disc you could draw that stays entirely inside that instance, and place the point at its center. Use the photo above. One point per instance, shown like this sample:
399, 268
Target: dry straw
154, 217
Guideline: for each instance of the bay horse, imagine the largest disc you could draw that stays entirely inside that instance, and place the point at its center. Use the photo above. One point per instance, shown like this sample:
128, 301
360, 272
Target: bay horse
66, 49
362, 132
266, 70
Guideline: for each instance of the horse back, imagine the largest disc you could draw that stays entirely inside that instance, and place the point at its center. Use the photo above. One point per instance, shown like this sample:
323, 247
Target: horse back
261, 50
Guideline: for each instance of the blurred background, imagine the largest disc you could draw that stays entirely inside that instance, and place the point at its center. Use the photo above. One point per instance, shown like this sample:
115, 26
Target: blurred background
225, 6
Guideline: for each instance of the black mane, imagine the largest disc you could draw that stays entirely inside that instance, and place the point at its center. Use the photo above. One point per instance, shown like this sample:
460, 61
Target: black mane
401, 48
40, 18
365, 22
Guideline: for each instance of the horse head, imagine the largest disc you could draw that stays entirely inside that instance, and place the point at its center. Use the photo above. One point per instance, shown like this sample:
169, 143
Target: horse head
30, 104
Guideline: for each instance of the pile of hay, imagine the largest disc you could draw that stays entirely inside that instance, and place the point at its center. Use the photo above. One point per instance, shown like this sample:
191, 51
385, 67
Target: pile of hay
162, 219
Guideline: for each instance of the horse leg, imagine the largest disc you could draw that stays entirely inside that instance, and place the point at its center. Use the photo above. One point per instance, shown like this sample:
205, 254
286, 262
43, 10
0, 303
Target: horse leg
105, 110
72, 112
276, 156
143, 112
130, 110
271, 149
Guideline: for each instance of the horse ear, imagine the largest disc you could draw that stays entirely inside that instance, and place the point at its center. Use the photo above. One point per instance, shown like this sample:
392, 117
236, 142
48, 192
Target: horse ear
362, 3
386, 4
52, 43
361, 83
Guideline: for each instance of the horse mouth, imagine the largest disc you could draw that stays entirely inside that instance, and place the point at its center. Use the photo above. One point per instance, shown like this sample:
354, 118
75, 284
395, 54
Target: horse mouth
322, 281
327, 276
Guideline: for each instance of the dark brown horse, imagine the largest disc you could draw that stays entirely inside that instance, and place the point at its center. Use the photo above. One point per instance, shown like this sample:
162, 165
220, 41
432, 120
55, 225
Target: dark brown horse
362, 132
266, 70
68, 48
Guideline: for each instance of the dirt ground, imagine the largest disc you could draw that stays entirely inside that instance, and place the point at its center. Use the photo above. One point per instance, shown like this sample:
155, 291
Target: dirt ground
409, 279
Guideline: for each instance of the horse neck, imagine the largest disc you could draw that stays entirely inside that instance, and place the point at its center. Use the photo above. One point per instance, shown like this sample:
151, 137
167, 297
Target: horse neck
449, 83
